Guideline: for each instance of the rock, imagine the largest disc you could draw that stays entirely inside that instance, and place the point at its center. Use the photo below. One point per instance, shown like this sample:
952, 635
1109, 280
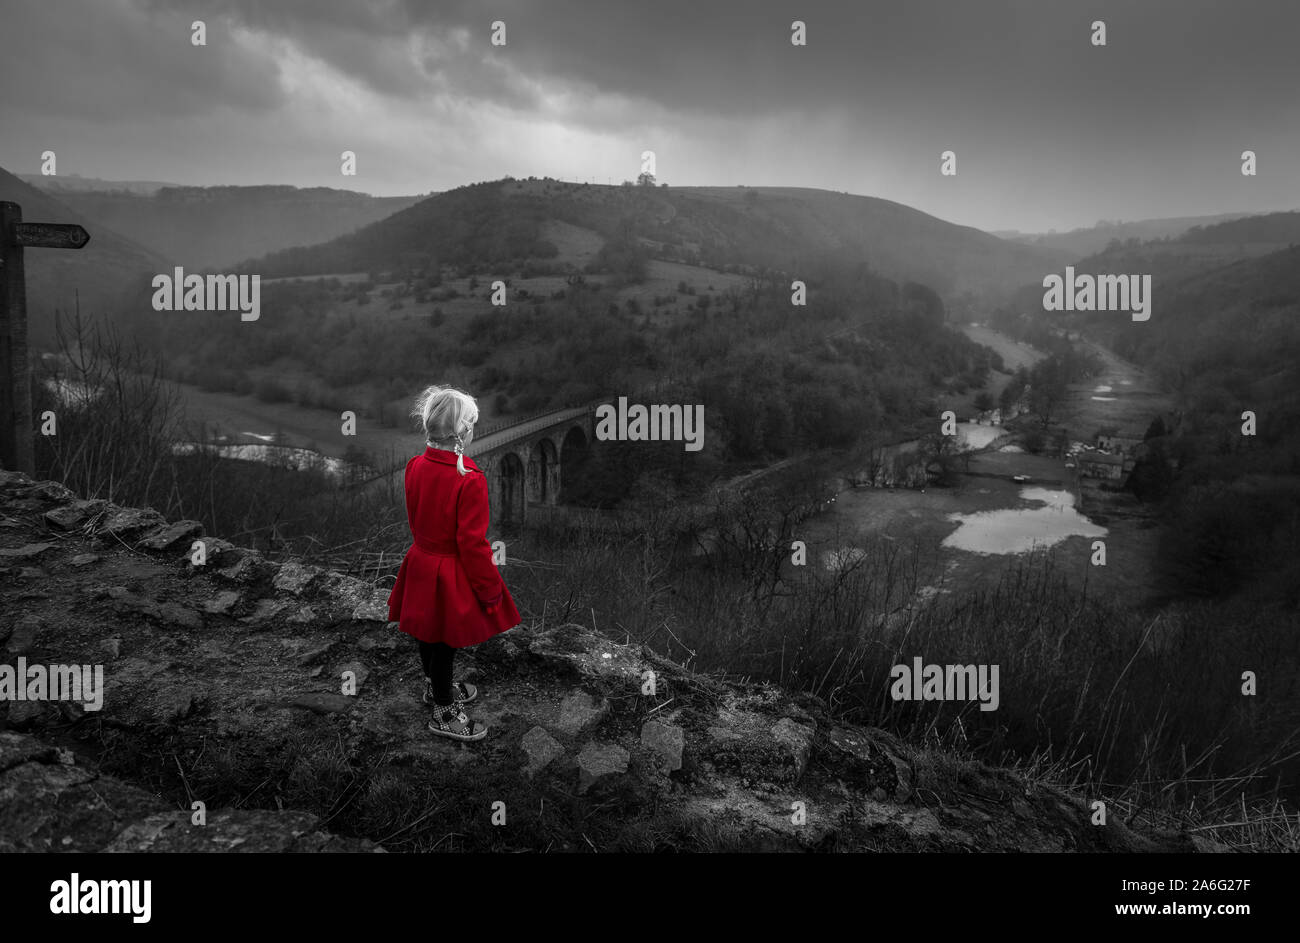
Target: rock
745, 741
374, 609
798, 739
248, 569
360, 671
50, 802
124, 523
164, 613
665, 740
367, 643
265, 611
323, 702
316, 652
13, 481
24, 635
348, 591
579, 711
75, 514
871, 758
32, 573
173, 614
83, 559
598, 761
165, 537
294, 577
112, 647
541, 749
174, 706
22, 714
302, 616
17, 749
222, 554
27, 552
919, 824
222, 603
1208, 846
234, 830
581, 652
51, 492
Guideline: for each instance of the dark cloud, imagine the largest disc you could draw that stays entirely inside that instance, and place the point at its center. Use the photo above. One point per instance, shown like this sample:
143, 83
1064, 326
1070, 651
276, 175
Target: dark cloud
115, 60
1046, 125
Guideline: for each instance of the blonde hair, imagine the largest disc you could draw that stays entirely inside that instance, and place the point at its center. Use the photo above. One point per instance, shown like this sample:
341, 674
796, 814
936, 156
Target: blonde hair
446, 413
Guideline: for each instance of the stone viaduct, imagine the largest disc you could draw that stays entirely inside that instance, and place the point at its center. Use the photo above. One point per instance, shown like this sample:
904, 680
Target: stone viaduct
525, 460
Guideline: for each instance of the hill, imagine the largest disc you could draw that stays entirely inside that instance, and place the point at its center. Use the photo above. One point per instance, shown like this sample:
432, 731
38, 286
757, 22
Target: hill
108, 269
222, 683
792, 230
1085, 241
212, 227
65, 183
1175, 262
610, 289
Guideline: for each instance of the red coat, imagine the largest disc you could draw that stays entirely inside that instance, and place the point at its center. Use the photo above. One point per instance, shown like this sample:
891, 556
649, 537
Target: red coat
448, 579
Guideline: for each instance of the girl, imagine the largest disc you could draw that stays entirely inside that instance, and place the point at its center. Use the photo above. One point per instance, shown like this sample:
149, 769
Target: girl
448, 593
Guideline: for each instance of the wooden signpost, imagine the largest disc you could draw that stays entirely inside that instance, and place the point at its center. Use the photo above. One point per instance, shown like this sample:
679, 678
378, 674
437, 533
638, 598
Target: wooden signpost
15, 391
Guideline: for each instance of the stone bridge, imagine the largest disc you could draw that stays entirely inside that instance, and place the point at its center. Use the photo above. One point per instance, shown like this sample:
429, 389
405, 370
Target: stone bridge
531, 460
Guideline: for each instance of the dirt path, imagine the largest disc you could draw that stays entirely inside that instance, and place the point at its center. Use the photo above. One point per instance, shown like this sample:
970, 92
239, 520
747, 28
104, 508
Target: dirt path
1123, 396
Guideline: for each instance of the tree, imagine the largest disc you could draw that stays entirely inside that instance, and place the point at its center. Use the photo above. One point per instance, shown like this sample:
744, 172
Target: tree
923, 302
1152, 476
645, 180
941, 456
984, 401
1047, 388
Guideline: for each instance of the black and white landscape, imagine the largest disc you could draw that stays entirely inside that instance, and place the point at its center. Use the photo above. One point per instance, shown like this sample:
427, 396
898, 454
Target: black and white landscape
891, 416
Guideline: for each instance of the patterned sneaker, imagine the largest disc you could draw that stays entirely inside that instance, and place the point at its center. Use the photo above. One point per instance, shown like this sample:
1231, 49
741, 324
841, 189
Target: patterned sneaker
450, 721
461, 693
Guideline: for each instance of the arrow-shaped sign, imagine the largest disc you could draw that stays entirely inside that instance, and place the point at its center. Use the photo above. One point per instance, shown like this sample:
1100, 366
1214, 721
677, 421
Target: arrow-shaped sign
50, 235
16, 451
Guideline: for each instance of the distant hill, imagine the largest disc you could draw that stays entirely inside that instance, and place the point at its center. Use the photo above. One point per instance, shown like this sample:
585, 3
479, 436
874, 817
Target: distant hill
211, 227
1084, 242
1172, 261
75, 183
101, 274
1273, 230
790, 229
1240, 320
1224, 331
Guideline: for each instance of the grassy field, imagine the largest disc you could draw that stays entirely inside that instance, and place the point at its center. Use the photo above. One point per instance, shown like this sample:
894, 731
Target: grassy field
907, 516
245, 418
1123, 396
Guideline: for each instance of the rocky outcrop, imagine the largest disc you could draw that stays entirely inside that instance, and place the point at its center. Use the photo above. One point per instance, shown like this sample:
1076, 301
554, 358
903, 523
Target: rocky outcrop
52, 800
258, 687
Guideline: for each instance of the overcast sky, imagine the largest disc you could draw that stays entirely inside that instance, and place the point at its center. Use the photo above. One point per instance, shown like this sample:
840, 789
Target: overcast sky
1049, 130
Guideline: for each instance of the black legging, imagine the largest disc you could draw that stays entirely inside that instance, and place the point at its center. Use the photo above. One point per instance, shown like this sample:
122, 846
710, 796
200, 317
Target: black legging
436, 657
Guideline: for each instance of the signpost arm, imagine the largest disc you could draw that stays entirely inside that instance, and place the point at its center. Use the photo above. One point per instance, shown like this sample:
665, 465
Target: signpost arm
15, 390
